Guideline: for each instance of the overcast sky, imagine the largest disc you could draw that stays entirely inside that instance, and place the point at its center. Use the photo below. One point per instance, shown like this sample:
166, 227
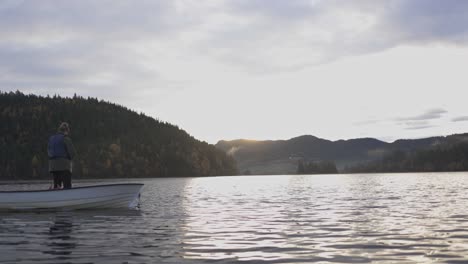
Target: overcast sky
257, 69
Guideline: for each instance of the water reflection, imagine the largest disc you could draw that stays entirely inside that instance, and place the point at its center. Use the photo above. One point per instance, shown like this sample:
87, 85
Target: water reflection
397, 218
332, 218
65, 237
61, 242
239, 221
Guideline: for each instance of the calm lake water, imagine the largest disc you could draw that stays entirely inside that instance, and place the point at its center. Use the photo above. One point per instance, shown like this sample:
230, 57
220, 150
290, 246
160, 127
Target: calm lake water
388, 218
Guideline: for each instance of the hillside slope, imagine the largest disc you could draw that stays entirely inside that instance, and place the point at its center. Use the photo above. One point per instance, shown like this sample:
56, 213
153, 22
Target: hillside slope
282, 156
111, 141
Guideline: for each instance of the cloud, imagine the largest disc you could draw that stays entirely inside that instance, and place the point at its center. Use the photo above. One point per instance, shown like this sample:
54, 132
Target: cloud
460, 119
290, 35
435, 113
419, 127
113, 48
415, 125
428, 21
279, 9
421, 121
366, 122
73, 40
94, 47
417, 122
84, 19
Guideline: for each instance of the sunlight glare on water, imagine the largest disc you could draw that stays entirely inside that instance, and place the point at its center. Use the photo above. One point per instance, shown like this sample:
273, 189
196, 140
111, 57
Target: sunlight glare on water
386, 218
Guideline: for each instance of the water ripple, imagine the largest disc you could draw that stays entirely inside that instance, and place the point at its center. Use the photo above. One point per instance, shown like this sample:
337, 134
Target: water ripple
384, 218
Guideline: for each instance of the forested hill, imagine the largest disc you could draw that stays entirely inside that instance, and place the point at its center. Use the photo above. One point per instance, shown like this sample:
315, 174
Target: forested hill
282, 156
111, 141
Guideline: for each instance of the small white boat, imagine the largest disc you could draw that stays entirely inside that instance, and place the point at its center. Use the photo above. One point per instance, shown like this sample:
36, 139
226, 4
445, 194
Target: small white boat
124, 195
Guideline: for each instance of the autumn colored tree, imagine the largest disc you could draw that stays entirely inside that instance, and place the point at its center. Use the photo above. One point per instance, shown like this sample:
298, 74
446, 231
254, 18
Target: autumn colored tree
111, 141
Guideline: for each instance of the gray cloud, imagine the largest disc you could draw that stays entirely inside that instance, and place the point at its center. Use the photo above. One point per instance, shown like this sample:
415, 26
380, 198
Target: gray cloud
278, 9
105, 45
414, 125
435, 113
315, 32
260, 35
61, 47
82, 19
366, 122
460, 119
419, 127
429, 21
421, 121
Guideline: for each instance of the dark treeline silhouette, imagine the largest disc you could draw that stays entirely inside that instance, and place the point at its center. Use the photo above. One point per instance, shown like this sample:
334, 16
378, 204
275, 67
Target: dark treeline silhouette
111, 141
316, 167
445, 157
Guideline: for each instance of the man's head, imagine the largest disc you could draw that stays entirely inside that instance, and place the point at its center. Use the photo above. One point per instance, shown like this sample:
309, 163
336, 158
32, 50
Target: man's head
64, 128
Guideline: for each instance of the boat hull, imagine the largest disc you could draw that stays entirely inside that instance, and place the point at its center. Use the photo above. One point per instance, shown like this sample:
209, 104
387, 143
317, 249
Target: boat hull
89, 197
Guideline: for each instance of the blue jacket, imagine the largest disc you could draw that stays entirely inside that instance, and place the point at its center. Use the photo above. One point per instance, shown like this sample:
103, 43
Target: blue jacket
56, 148
61, 152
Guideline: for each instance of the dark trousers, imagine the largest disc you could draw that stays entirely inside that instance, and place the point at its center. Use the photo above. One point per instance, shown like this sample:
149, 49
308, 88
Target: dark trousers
62, 179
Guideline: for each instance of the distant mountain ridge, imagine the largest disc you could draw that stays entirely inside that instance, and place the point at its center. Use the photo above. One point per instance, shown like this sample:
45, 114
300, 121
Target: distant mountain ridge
282, 156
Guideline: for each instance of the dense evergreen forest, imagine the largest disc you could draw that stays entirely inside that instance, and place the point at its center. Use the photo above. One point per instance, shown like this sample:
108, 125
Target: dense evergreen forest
111, 141
444, 157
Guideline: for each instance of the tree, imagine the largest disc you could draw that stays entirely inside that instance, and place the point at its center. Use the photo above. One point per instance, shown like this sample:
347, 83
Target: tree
111, 140
316, 167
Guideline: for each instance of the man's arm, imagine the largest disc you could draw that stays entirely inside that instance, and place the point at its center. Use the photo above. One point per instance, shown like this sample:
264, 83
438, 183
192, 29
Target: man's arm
70, 148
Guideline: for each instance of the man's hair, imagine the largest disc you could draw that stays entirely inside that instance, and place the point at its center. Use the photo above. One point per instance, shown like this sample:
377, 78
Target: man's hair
64, 127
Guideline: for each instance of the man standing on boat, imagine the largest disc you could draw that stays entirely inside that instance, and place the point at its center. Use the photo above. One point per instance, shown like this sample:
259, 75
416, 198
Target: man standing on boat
61, 153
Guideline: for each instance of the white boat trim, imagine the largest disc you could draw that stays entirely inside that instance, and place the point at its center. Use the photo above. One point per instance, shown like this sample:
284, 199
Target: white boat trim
123, 195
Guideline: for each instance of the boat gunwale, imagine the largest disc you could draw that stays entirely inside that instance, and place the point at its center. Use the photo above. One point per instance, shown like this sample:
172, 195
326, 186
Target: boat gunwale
72, 200
80, 187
